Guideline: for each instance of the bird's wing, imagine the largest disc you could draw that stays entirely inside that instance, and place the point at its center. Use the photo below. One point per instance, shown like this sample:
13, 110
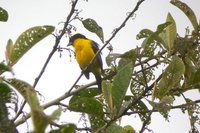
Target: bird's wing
95, 47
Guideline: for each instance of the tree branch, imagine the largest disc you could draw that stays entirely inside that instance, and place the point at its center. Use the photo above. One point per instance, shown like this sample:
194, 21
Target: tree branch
70, 92
57, 41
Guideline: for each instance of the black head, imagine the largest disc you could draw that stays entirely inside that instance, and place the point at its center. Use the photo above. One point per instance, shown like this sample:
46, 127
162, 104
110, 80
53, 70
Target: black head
74, 37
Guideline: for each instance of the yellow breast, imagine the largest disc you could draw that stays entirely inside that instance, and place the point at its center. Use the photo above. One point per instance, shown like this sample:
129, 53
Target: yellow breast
84, 52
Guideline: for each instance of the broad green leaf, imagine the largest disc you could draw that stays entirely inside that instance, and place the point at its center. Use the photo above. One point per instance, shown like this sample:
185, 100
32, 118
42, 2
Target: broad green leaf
115, 129
5, 93
196, 79
188, 12
22, 87
69, 128
89, 92
120, 85
96, 122
6, 125
154, 36
171, 76
129, 129
86, 105
128, 57
144, 33
90, 106
3, 15
40, 120
190, 71
27, 40
92, 26
170, 33
140, 107
126, 104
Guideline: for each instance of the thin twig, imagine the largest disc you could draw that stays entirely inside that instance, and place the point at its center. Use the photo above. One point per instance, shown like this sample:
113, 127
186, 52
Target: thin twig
146, 122
108, 41
181, 106
58, 38
70, 92
57, 41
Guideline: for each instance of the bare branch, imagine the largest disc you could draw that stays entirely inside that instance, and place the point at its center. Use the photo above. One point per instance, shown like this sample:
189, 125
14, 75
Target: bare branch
57, 41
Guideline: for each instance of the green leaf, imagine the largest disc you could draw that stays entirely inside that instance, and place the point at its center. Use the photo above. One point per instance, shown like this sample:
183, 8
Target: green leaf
6, 125
26, 41
171, 76
129, 129
163, 106
196, 78
9, 49
144, 33
89, 92
69, 128
140, 107
4, 68
154, 36
96, 122
56, 114
170, 33
40, 120
128, 57
106, 91
120, 85
5, 93
90, 106
3, 15
92, 26
190, 71
188, 12
86, 105
115, 129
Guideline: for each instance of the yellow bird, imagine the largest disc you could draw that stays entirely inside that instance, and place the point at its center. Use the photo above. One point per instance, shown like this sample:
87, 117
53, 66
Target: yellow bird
85, 50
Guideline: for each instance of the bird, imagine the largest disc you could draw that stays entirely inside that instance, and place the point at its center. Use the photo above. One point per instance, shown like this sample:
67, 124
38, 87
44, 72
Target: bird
85, 50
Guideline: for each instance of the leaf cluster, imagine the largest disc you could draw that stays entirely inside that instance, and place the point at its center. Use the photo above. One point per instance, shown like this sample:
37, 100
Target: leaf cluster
130, 84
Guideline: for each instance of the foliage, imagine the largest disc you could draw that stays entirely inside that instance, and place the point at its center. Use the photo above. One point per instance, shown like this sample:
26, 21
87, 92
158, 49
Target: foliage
3, 15
128, 82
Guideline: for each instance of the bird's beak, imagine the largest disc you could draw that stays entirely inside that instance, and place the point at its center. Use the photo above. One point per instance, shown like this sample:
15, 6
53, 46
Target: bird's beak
69, 44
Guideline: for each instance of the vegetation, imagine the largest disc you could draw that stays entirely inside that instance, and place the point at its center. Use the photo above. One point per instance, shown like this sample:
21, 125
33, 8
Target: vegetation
132, 71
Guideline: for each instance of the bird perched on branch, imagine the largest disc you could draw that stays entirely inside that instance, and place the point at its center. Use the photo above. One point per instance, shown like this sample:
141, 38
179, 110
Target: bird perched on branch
85, 50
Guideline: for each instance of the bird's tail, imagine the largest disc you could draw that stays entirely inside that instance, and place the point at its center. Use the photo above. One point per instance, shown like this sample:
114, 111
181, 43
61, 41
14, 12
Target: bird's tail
98, 79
